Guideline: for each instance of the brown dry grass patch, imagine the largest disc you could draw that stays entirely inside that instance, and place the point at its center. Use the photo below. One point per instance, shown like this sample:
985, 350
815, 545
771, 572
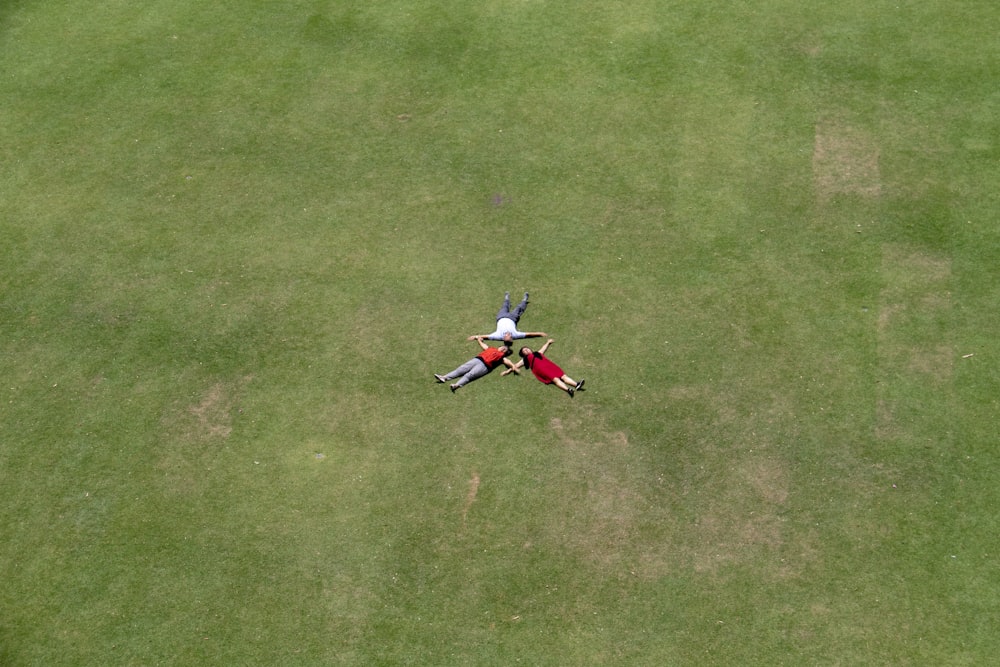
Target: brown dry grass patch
912, 340
599, 510
470, 497
936, 363
845, 161
192, 433
616, 515
741, 520
212, 414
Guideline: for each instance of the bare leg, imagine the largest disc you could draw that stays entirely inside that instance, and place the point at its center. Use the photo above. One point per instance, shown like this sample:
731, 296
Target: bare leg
562, 385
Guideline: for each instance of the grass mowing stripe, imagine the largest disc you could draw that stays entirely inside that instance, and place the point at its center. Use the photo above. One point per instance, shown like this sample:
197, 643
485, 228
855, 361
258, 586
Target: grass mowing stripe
238, 241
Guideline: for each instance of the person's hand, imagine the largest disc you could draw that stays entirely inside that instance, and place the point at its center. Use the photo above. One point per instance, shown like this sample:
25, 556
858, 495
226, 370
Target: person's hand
551, 340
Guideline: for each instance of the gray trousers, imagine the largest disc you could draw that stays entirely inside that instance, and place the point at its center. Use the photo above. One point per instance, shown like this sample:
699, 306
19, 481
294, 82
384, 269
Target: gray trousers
473, 369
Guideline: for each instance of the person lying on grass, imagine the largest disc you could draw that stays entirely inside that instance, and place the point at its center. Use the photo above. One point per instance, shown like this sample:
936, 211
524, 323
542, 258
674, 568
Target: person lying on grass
546, 370
507, 323
479, 366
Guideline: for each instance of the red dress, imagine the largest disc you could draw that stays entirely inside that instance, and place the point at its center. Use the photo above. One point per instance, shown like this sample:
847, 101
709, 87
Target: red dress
543, 368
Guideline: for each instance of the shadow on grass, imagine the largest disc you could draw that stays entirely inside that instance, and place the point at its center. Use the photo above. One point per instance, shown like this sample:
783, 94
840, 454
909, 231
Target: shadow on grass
6, 10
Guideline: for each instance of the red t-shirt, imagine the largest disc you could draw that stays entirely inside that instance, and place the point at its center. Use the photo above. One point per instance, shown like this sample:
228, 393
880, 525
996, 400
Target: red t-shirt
492, 357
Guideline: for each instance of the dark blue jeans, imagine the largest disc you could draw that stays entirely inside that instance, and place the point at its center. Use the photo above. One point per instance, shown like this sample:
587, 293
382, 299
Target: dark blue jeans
515, 314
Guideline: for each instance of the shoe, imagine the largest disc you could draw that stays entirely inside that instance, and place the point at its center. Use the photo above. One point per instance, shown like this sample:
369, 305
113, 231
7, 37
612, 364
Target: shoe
525, 296
453, 388
571, 391
579, 385
440, 378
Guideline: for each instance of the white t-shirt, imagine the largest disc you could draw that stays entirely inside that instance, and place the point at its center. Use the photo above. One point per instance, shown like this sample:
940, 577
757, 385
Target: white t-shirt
506, 325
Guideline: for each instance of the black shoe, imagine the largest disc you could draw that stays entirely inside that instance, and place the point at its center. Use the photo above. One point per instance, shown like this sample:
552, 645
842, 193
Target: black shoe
440, 378
570, 391
579, 385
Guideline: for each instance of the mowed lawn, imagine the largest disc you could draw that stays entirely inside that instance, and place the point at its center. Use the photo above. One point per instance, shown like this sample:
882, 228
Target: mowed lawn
237, 239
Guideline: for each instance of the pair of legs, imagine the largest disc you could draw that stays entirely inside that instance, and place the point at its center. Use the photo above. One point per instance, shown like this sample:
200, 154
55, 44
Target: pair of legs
515, 314
473, 369
567, 384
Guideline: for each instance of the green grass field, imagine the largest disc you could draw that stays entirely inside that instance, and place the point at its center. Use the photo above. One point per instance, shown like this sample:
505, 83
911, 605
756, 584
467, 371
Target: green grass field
237, 239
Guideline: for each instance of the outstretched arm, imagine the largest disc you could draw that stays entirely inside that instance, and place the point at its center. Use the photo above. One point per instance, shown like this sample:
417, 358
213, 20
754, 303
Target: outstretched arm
475, 336
546, 346
535, 334
513, 367
479, 339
